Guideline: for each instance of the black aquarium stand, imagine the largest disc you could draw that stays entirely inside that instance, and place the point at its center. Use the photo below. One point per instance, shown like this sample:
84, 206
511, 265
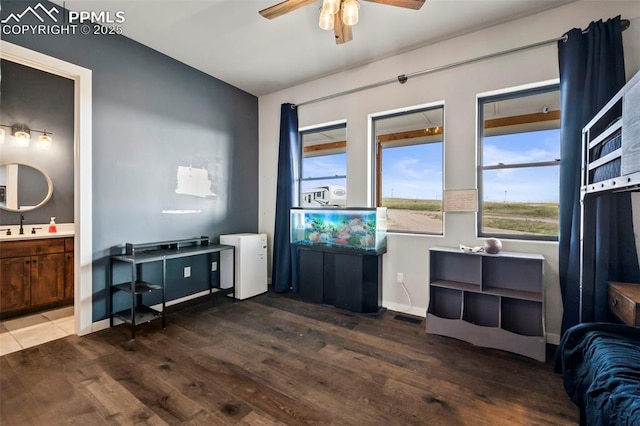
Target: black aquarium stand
345, 278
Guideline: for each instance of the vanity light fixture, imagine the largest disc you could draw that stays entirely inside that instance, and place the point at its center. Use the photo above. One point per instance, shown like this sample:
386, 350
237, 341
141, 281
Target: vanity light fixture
44, 141
22, 135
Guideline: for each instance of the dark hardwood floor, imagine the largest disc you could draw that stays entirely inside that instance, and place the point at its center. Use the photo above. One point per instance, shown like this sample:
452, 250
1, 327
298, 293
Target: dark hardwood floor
276, 360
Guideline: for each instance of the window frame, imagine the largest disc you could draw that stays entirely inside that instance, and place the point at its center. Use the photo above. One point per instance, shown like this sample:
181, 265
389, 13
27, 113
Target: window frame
317, 129
376, 169
518, 92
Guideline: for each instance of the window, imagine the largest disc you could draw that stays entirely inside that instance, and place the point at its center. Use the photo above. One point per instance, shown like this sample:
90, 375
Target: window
409, 169
518, 176
324, 166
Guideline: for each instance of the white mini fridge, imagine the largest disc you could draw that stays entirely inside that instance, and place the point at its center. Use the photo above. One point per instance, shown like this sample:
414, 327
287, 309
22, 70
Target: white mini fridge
250, 267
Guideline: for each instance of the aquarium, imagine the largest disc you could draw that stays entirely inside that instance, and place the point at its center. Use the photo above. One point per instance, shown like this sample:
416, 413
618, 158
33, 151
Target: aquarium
350, 228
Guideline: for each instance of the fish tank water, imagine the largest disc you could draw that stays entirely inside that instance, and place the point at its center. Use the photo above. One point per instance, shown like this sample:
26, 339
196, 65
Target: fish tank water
349, 228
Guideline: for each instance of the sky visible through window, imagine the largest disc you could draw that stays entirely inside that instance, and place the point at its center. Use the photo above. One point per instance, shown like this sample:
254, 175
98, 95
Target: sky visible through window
415, 171
525, 185
324, 166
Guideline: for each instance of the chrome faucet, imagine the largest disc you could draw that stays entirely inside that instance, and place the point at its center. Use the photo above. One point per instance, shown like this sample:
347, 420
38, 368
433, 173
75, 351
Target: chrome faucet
21, 223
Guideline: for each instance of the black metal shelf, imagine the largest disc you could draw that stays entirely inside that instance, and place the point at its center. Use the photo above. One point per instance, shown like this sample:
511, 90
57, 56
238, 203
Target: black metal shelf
143, 314
141, 287
137, 255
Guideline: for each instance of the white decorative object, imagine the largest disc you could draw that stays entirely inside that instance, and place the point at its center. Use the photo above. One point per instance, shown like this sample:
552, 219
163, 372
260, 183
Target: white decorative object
467, 249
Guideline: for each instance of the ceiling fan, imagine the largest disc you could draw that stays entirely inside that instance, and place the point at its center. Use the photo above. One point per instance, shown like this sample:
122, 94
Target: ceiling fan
336, 15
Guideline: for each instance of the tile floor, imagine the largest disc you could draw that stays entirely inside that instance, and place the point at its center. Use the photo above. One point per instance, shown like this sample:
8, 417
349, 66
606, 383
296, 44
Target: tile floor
32, 330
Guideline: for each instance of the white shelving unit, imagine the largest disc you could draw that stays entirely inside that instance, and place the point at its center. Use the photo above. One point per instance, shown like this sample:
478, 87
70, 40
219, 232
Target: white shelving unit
494, 301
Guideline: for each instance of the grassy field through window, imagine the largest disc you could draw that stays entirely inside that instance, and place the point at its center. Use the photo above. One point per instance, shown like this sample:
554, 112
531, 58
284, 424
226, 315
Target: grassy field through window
418, 215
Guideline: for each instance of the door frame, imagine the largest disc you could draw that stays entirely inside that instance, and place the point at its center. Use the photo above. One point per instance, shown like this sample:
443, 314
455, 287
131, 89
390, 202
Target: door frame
83, 227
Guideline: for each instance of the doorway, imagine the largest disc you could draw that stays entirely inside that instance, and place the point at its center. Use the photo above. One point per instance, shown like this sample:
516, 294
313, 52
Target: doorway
83, 253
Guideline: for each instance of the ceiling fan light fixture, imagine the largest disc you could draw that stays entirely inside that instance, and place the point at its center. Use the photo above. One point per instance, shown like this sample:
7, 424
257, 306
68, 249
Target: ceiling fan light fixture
331, 6
350, 12
326, 19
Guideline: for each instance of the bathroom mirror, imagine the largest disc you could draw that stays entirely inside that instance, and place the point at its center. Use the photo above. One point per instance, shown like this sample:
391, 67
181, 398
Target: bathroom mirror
23, 187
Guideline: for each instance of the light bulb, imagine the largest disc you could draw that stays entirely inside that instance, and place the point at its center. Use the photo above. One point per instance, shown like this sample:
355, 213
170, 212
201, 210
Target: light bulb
350, 12
331, 6
326, 19
45, 141
22, 138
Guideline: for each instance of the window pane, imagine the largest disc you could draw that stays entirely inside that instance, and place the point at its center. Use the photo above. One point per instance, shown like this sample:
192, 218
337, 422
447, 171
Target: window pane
519, 189
324, 167
520, 201
409, 176
517, 148
325, 192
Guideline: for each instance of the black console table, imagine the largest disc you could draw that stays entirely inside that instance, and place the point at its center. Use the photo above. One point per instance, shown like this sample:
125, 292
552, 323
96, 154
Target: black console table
344, 278
137, 255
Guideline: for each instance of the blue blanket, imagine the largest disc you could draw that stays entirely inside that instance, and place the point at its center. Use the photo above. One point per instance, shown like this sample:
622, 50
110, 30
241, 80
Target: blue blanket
600, 364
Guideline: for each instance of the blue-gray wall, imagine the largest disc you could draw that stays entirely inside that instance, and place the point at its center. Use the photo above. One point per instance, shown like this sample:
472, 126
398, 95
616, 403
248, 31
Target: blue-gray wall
152, 114
40, 101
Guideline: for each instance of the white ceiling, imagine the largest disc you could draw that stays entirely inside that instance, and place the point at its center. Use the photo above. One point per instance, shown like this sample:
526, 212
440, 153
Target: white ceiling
229, 40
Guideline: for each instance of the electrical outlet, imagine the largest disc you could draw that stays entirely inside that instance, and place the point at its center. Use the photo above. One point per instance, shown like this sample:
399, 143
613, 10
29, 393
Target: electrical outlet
214, 266
187, 271
399, 277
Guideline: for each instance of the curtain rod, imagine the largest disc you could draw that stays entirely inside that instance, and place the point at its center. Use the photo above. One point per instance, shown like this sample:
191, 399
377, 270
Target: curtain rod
625, 23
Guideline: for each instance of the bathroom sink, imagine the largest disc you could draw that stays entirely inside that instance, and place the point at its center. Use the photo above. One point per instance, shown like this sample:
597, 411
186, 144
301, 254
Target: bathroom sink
64, 230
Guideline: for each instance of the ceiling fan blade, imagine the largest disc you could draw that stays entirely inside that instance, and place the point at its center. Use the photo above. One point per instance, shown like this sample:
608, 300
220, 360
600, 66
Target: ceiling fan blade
341, 31
284, 7
409, 4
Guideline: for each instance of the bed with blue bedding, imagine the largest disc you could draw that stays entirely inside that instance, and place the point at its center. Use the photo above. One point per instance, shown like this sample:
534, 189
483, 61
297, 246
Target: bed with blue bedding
600, 364
610, 169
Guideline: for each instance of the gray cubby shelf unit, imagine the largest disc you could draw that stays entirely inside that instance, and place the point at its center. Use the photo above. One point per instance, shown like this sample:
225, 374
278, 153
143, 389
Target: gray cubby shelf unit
159, 253
494, 301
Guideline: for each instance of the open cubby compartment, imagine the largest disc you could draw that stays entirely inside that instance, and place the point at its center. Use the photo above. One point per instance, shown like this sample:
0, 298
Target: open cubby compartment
513, 276
481, 309
456, 267
522, 317
445, 302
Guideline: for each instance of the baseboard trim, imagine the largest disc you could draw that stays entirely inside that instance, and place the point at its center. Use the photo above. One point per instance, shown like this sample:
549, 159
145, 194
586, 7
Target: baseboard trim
182, 299
405, 309
100, 325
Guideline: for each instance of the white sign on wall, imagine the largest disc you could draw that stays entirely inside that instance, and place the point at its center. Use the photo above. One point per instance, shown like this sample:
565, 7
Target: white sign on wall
194, 181
460, 200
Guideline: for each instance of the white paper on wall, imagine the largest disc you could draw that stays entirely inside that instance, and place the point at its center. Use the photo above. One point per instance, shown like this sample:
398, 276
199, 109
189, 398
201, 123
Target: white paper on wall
194, 181
181, 211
